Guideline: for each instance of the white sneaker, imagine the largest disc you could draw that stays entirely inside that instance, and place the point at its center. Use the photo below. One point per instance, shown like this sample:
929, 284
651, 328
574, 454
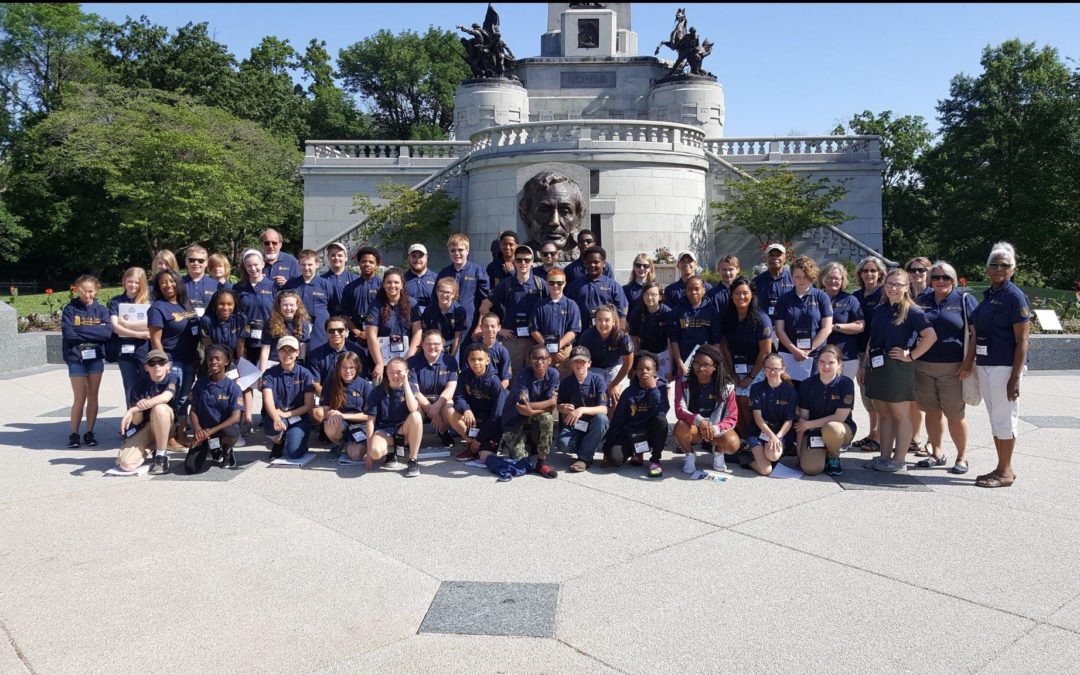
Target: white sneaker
240, 442
689, 464
719, 464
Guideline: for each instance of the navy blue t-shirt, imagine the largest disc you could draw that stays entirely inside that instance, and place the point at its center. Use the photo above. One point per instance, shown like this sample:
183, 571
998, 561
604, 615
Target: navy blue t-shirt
822, 400
500, 359
636, 407
588, 394
288, 388
589, 294
554, 319
321, 360
338, 282
633, 292
995, 342
215, 402
179, 329
743, 338
474, 287
447, 324
651, 328
357, 393
605, 352
528, 388
421, 288
676, 291
514, 301
768, 290
302, 336
226, 332
393, 325
256, 303
885, 334
316, 295
947, 319
776, 405
693, 326
868, 303
138, 347
802, 317
147, 388
357, 298
483, 395
200, 292
576, 270
846, 309
286, 266
431, 378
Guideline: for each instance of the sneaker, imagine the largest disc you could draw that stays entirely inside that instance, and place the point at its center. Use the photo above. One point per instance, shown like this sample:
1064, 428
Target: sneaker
161, 464
89, 440
240, 442
228, 461
578, 466
889, 466
414, 469
616, 456
277, 450
832, 466
335, 451
391, 458
638, 459
689, 464
719, 463
446, 439
655, 470
872, 464
73, 441
545, 470
215, 455
466, 455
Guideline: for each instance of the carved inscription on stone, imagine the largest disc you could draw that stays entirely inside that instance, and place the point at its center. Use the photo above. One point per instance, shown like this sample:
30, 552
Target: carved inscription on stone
587, 79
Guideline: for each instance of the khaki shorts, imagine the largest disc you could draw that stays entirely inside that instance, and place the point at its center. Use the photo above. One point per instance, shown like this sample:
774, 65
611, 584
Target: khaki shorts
938, 389
135, 450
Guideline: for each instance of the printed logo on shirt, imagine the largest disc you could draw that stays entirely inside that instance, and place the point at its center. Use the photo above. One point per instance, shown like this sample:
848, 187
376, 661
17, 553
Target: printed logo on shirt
221, 397
849, 399
1024, 312
180, 316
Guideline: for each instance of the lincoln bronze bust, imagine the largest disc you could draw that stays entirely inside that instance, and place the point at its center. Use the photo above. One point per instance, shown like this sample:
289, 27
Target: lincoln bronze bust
552, 208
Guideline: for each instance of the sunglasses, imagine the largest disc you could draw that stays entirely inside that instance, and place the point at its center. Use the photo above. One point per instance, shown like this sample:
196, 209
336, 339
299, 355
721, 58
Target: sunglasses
998, 266
267, 242
556, 283
200, 261
523, 260
642, 266
548, 254
157, 363
337, 330
917, 270
586, 242
940, 277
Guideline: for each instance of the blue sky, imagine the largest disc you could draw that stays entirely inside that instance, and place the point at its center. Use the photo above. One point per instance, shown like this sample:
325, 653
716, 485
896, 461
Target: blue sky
785, 68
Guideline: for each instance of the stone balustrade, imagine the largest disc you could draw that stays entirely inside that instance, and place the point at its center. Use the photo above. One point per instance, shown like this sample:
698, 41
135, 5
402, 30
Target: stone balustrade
382, 151
796, 147
580, 134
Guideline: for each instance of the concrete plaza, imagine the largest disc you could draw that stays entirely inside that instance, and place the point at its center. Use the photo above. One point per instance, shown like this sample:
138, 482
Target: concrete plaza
345, 570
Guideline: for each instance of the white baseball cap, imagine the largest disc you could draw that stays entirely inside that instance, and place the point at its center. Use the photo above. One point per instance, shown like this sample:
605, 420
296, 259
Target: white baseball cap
683, 254
338, 244
418, 247
775, 247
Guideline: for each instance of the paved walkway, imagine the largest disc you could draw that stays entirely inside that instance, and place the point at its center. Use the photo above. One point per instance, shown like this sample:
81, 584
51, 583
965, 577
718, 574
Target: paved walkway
342, 570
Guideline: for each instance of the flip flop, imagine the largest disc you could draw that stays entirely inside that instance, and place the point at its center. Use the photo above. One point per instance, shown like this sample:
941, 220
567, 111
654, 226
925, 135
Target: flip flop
994, 481
914, 449
961, 466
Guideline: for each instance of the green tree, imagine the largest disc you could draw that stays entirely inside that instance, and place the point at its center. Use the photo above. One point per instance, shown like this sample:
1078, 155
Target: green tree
1007, 164
406, 216
265, 91
908, 226
118, 173
407, 79
330, 112
775, 204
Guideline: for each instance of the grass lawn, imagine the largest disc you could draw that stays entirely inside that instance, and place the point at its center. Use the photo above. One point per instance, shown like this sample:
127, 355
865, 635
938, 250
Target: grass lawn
35, 304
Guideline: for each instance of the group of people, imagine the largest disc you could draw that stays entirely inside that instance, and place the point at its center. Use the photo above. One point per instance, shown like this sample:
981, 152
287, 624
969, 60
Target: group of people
523, 357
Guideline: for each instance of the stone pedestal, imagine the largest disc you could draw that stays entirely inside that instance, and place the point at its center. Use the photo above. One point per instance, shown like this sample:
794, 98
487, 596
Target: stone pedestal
483, 103
689, 99
588, 32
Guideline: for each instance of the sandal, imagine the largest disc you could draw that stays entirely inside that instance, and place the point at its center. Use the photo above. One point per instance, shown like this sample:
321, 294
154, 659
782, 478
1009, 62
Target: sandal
932, 461
995, 481
961, 466
914, 449
870, 445
857, 445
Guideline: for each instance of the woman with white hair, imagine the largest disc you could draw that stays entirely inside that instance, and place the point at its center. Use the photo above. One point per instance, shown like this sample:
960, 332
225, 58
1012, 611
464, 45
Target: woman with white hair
1001, 325
848, 320
938, 391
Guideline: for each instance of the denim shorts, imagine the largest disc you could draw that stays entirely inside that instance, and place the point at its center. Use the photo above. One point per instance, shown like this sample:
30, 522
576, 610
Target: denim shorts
84, 368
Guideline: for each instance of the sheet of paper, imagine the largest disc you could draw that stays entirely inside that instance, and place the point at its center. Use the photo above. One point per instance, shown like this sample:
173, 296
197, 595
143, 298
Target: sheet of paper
117, 471
247, 373
798, 370
129, 311
476, 464
345, 461
285, 462
1048, 319
782, 470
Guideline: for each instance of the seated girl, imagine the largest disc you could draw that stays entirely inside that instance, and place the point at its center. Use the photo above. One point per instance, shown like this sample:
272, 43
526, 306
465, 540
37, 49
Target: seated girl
345, 399
706, 409
640, 420
478, 404
773, 411
396, 414
216, 409
825, 424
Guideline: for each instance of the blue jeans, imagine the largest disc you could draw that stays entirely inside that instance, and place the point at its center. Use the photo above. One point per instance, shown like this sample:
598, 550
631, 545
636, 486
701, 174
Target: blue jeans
186, 371
129, 373
584, 443
295, 437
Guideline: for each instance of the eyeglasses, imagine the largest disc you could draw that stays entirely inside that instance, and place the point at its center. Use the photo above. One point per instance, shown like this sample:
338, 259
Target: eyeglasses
556, 283
540, 359
267, 242
917, 270
199, 261
337, 330
523, 260
642, 266
895, 285
998, 266
586, 242
940, 277
548, 254
777, 369
458, 250
155, 363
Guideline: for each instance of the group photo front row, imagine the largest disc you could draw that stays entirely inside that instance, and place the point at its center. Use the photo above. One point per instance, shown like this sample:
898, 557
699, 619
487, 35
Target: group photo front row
517, 362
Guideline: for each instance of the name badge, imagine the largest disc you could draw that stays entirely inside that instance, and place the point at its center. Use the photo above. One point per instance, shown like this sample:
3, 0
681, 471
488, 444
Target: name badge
131, 431
764, 435
817, 442
292, 420
981, 350
474, 432
742, 368
89, 354
641, 447
771, 311
127, 349
803, 343
214, 443
194, 329
256, 333
199, 311
553, 347
581, 425
523, 331
397, 344
877, 361
359, 435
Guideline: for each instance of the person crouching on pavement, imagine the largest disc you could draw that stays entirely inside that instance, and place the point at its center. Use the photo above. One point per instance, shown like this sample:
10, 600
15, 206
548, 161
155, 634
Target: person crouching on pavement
217, 406
148, 422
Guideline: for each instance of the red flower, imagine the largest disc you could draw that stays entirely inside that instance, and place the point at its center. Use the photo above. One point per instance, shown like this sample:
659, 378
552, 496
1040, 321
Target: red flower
73, 289
48, 291
963, 281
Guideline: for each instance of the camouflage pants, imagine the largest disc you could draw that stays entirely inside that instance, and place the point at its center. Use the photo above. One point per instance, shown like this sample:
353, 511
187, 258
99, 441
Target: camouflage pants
513, 440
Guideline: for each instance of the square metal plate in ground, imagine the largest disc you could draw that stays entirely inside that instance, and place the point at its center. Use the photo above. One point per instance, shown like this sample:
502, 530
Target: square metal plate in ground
866, 479
1051, 422
492, 608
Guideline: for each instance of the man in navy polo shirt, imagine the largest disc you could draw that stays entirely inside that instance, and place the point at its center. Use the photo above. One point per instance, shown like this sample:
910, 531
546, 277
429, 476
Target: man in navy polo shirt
595, 289
280, 266
774, 281
419, 280
556, 323
338, 275
532, 405
583, 405
515, 299
360, 294
474, 286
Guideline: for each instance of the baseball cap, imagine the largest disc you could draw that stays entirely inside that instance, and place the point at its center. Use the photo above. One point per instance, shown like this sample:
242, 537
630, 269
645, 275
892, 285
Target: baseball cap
683, 254
288, 341
580, 353
524, 249
338, 244
155, 354
775, 247
418, 247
